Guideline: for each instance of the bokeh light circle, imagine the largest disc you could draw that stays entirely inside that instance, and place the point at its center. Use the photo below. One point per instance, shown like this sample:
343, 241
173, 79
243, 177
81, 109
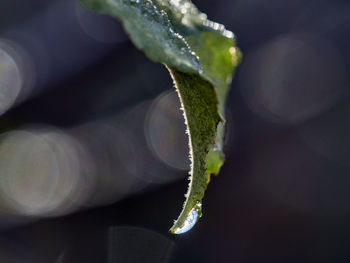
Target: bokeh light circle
39, 172
292, 78
11, 78
165, 131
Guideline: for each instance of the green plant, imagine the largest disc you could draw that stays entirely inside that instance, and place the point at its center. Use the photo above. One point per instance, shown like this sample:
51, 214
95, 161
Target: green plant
201, 57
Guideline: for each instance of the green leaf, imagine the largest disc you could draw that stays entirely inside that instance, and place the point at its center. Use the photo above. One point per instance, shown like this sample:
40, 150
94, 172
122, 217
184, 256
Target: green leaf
201, 57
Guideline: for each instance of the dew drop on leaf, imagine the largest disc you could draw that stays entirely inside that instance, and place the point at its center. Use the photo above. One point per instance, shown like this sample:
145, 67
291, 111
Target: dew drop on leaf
191, 220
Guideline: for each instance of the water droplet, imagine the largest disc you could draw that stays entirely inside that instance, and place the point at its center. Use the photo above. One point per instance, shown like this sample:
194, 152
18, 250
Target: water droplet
135, 1
191, 219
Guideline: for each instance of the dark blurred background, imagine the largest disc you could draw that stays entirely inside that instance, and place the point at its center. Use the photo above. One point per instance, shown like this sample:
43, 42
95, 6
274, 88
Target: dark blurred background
93, 154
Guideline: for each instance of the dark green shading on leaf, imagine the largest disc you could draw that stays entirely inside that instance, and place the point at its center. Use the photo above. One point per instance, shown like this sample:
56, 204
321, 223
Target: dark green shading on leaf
201, 56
